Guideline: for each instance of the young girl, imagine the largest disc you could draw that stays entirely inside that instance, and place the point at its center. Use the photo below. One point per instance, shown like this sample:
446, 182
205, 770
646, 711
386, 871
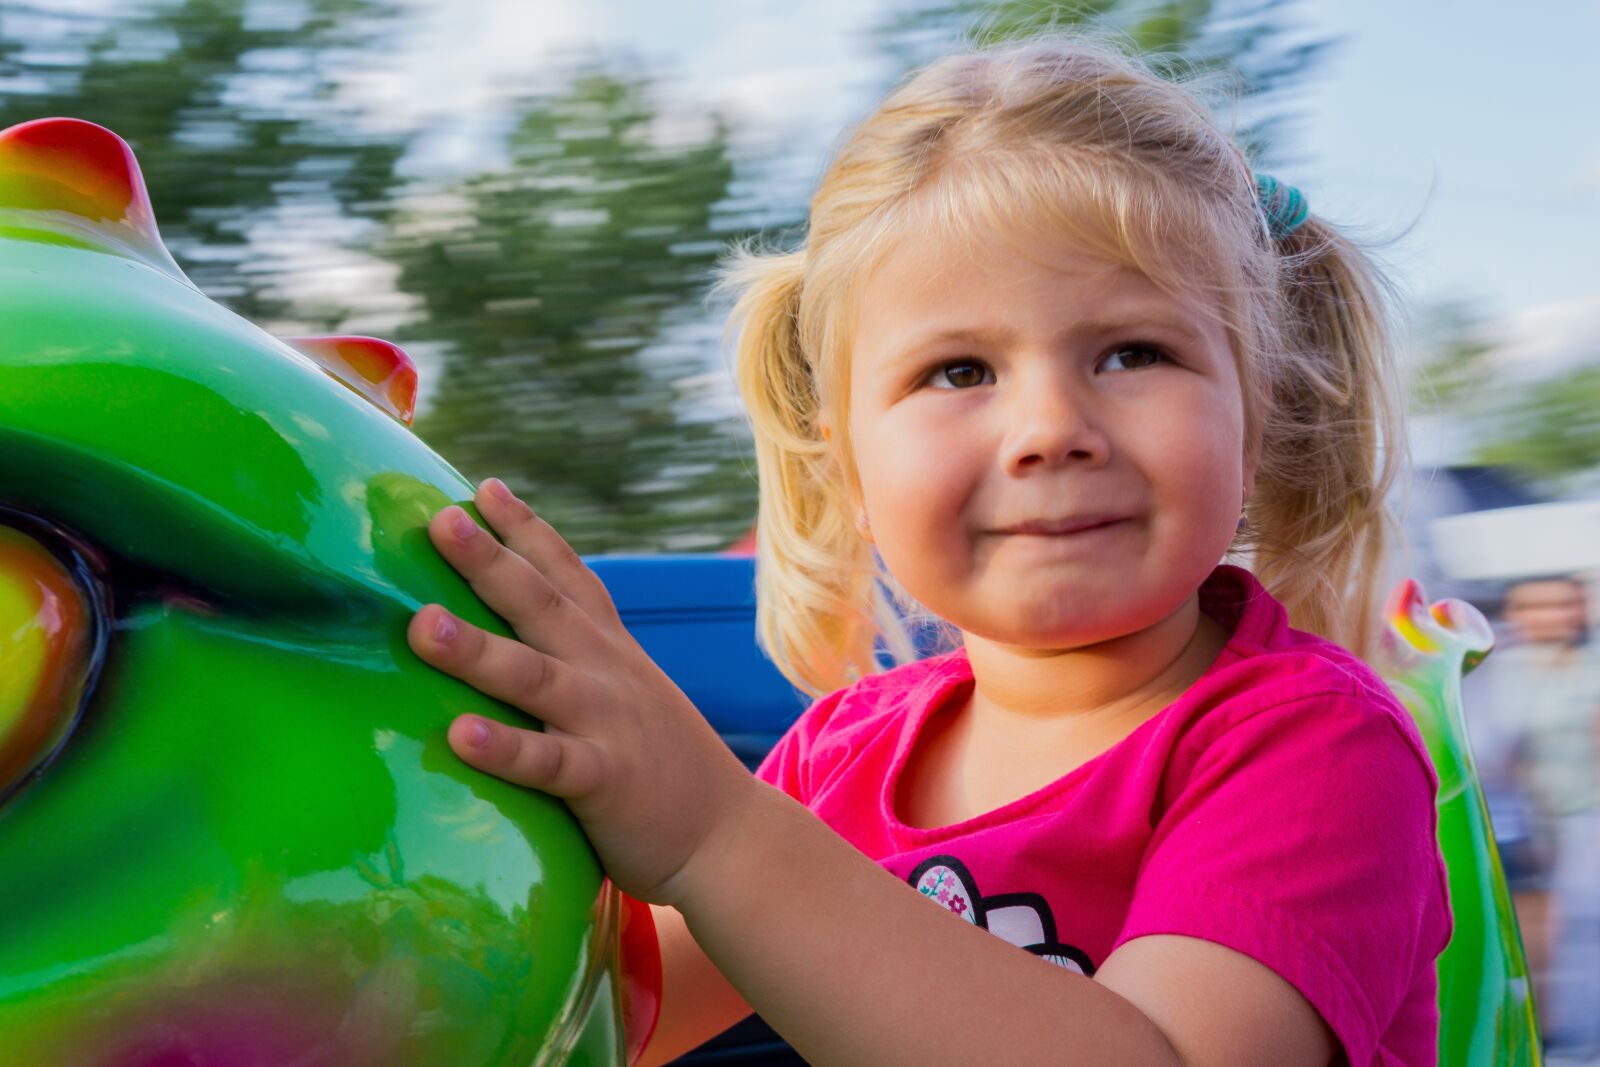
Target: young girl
1050, 351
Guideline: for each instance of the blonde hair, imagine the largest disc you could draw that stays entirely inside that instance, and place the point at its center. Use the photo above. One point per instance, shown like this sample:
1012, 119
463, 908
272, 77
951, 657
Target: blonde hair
1067, 133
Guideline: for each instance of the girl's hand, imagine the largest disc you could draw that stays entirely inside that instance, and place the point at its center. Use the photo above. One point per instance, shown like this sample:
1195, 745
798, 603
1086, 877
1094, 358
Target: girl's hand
653, 785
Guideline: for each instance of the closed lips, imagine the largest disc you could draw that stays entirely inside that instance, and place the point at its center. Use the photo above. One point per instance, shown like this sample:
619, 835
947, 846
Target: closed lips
1046, 527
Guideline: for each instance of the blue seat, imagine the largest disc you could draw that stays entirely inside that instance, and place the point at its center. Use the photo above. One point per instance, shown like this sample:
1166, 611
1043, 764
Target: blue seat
696, 617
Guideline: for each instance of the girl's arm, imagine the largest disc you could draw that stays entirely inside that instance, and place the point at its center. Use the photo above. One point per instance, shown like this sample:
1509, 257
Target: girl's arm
846, 962
698, 1002
853, 966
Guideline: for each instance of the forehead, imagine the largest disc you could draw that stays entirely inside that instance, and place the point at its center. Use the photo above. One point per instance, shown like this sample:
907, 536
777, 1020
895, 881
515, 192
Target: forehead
937, 260
931, 284
1039, 204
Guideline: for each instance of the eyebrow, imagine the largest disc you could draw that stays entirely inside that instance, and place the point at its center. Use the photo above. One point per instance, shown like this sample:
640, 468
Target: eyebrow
1130, 323
1135, 323
982, 337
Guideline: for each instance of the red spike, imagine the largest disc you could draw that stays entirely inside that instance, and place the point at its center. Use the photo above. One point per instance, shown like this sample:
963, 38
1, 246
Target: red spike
1406, 593
381, 372
86, 181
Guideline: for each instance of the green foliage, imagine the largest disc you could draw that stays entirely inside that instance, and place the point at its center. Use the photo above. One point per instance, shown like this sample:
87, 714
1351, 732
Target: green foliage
1454, 368
230, 107
1547, 430
552, 287
1552, 429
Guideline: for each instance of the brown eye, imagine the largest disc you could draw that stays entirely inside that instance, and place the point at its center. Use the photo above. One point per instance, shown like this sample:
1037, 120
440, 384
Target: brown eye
1132, 357
962, 374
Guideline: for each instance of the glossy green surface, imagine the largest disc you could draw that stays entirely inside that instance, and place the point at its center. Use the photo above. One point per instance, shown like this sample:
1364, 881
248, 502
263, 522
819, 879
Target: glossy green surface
255, 847
1485, 998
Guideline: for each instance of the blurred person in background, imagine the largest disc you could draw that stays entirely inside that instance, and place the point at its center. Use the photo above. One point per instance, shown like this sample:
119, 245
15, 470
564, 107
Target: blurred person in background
1546, 712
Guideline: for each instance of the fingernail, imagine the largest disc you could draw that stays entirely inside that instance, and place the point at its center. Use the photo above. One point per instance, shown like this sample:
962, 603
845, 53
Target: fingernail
500, 489
465, 529
444, 628
477, 733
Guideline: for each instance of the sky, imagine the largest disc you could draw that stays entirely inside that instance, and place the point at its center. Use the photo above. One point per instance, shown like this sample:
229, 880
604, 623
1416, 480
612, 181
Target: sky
1472, 139
1460, 138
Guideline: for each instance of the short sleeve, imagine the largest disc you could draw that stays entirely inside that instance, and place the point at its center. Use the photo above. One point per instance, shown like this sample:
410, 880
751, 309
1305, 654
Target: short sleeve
1305, 837
789, 765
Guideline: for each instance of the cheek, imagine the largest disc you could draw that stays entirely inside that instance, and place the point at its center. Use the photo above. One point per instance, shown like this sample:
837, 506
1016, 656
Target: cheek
906, 501
914, 493
1199, 461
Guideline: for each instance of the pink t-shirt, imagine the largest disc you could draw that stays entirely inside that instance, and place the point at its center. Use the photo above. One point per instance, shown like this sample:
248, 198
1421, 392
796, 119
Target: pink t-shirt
1282, 807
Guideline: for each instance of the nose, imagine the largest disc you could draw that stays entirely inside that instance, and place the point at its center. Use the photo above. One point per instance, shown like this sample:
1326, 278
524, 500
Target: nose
1052, 421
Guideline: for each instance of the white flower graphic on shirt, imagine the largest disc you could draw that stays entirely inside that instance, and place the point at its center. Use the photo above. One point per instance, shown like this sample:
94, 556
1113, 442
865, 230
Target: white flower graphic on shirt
1022, 919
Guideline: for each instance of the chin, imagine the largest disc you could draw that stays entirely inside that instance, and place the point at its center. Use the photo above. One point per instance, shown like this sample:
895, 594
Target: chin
1075, 617
1051, 628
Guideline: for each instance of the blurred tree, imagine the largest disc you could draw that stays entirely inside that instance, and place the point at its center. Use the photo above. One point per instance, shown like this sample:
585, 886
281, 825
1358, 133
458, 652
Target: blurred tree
554, 287
231, 108
1550, 429
1252, 45
1546, 430
1455, 356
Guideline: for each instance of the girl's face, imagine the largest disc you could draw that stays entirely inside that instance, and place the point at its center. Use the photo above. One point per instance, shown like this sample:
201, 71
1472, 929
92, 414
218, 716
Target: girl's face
1050, 448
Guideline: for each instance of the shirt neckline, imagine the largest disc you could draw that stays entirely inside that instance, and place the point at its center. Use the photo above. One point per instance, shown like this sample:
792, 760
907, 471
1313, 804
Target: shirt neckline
1229, 595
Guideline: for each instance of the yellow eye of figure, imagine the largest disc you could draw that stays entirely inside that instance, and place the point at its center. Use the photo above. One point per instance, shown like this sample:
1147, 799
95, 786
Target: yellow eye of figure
47, 653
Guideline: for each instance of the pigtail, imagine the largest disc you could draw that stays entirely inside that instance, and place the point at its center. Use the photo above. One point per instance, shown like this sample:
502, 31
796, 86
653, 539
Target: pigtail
1317, 525
814, 571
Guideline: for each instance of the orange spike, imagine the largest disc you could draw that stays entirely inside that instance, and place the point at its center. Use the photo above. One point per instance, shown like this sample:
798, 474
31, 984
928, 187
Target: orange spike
80, 182
381, 372
1407, 614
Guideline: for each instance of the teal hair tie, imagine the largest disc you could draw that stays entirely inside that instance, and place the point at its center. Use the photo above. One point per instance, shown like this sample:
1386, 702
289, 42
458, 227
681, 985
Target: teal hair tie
1283, 206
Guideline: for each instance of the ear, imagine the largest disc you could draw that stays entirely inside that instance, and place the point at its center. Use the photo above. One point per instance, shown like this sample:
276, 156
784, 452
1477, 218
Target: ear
1252, 463
863, 527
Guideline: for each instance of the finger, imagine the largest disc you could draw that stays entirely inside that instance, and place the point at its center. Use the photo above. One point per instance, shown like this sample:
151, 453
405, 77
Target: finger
539, 613
536, 541
512, 672
559, 764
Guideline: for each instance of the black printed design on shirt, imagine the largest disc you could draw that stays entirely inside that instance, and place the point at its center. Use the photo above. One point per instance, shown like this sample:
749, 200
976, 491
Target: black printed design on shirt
1023, 919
